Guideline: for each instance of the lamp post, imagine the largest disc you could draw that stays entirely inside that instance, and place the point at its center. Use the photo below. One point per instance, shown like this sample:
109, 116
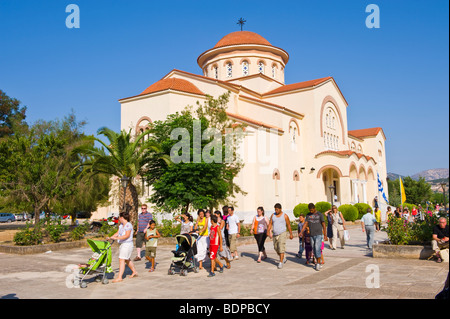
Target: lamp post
332, 187
124, 181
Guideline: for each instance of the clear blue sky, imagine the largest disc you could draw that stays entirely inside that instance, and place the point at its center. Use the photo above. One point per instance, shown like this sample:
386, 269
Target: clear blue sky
396, 77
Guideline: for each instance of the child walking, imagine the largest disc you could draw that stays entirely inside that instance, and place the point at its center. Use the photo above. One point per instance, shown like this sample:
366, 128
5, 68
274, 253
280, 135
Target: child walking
307, 244
215, 245
151, 236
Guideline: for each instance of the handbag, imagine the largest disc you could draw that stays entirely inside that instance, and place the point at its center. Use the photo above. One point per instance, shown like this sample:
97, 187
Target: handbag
346, 235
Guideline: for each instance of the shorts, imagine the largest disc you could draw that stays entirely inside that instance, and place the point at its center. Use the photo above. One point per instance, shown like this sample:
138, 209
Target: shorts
232, 238
213, 249
140, 239
279, 243
125, 251
150, 252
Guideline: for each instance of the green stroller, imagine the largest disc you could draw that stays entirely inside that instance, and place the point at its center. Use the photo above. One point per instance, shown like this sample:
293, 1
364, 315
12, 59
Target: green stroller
99, 263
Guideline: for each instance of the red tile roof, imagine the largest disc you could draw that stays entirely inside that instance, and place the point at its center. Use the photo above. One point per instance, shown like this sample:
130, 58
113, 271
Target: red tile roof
173, 84
241, 37
299, 85
365, 132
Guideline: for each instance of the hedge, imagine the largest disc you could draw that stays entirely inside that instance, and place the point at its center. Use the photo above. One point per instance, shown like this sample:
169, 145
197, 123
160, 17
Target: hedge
349, 212
362, 209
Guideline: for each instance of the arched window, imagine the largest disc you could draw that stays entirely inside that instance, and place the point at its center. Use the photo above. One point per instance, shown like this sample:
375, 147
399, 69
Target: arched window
261, 67
332, 128
229, 70
274, 70
244, 68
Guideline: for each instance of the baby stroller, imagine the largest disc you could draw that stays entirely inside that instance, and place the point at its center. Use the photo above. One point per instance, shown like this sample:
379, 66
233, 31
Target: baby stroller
99, 263
184, 257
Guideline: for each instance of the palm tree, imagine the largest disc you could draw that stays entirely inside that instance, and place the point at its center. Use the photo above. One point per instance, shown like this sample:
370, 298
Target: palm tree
123, 156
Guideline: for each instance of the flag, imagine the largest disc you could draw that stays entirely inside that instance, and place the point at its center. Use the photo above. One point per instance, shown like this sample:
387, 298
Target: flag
381, 189
402, 191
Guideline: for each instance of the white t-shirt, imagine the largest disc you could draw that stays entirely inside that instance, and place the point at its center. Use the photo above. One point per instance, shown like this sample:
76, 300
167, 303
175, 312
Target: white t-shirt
233, 222
122, 230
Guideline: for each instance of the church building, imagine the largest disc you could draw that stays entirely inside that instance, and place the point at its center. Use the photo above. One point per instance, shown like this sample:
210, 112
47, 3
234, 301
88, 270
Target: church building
314, 156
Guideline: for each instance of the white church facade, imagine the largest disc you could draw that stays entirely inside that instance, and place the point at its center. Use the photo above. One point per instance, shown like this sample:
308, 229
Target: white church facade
306, 122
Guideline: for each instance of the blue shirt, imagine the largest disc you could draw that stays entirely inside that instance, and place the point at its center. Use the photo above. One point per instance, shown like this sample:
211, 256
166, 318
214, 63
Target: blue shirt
143, 220
368, 219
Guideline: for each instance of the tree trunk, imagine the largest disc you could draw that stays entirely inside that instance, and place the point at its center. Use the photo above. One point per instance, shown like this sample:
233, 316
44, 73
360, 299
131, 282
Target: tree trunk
132, 201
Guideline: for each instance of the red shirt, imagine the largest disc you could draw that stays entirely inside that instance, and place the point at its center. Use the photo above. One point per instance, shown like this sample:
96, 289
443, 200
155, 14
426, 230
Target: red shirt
214, 236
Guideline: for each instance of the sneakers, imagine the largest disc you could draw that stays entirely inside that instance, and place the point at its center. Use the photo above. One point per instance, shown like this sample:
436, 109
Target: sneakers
318, 266
280, 265
137, 258
211, 274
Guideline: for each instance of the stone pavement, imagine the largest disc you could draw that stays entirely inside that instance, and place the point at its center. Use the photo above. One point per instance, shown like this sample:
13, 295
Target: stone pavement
343, 276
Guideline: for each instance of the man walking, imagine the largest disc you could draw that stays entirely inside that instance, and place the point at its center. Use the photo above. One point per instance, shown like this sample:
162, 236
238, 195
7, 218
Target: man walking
316, 223
234, 228
368, 225
278, 224
144, 219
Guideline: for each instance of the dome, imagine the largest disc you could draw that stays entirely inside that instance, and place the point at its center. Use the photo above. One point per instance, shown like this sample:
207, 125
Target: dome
241, 40
241, 37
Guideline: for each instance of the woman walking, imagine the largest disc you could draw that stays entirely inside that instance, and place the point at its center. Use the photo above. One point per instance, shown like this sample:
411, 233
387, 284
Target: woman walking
338, 225
259, 230
330, 227
225, 254
203, 237
125, 238
186, 222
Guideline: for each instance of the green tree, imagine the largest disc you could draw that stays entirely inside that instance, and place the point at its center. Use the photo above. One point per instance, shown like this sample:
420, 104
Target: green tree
12, 115
123, 155
417, 192
195, 181
36, 166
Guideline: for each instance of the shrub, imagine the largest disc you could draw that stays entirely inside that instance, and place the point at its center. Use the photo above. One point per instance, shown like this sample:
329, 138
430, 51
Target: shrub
107, 230
398, 231
79, 231
322, 207
167, 229
422, 231
55, 229
362, 209
29, 236
301, 209
245, 230
349, 212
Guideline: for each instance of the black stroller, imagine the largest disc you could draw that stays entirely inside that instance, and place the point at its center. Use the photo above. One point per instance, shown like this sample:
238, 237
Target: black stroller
184, 257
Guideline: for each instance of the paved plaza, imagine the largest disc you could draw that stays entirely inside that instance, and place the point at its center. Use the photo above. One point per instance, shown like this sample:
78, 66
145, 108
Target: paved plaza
349, 273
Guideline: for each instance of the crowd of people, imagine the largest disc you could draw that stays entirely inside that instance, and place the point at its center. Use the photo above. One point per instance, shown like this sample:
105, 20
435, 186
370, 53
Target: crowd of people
217, 235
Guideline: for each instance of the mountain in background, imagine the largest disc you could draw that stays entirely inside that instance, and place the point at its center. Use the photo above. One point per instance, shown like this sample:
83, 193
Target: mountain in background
432, 174
435, 177
429, 175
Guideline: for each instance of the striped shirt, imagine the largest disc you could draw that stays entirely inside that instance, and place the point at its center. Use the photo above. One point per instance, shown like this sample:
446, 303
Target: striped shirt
143, 220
